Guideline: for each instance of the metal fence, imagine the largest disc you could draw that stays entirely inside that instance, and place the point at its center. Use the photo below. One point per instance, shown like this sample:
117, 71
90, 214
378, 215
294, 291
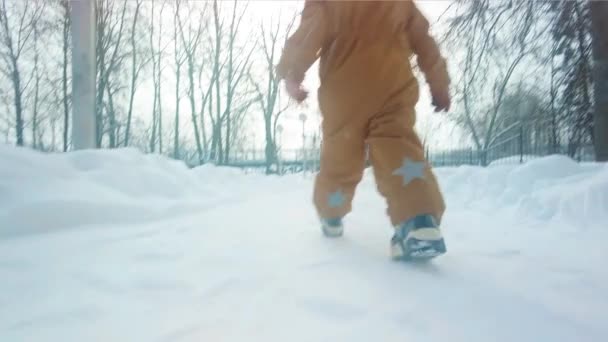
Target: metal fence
298, 161
511, 151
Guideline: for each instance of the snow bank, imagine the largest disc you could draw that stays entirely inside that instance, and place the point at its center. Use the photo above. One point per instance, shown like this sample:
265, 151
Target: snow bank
46, 191
554, 187
513, 160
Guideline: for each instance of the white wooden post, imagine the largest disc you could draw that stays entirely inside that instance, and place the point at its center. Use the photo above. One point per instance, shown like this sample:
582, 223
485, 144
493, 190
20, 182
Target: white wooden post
83, 74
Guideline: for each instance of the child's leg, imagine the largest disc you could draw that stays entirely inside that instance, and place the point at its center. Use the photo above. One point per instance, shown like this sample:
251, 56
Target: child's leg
341, 169
403, 175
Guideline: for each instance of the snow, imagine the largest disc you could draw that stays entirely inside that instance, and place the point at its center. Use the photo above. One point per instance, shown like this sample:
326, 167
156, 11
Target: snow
122, 246
517, 159
554, 189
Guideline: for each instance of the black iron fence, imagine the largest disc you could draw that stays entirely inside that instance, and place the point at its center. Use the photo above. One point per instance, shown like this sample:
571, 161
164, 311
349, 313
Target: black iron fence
511, 151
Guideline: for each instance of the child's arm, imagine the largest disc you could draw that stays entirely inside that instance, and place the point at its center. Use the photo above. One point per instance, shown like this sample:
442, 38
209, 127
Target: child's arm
302, 48
429, 59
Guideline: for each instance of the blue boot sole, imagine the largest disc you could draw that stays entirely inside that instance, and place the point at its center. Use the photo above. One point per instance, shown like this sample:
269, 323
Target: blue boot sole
421, 250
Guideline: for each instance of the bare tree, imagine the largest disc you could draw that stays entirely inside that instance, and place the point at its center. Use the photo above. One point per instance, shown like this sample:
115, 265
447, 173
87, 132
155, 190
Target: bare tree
572, 34
15, 38
497, 36
157, 51
599, 13
216, 145
190, 43
268, 96
110, 53
37, 77
235, 67
65, 26
180, 57
554, 124
137, 66
155, 63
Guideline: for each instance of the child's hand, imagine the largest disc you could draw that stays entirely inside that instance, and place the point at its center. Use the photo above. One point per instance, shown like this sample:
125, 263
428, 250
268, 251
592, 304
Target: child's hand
295, 91
441, 99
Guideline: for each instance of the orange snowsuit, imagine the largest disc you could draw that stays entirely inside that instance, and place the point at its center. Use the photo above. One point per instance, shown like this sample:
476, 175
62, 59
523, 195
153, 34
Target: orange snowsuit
367, 97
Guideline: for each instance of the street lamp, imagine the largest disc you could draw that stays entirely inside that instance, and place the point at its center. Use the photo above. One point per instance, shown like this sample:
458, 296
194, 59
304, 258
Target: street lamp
279, 157
280, 131
303, 119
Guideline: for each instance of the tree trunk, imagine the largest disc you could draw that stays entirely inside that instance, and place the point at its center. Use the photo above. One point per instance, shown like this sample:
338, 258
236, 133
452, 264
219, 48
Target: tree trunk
176, 133
585, 70
599, 13
217, 139
134, 74
64, 76
154, 115
270, 150
111, 119
18, 104
101, 83
229, 93
155, 81
190, 46
554, 128
36, 95
109, 38
158, 85
197, 135
160, 113
212, 150
205, 98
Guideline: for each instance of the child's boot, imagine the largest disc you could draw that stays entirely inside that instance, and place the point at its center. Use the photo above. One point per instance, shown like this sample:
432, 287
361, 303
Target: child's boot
417, 239
332, 227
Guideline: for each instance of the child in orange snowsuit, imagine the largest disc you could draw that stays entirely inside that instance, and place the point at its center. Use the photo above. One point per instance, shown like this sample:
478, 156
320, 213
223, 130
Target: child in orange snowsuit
367, 97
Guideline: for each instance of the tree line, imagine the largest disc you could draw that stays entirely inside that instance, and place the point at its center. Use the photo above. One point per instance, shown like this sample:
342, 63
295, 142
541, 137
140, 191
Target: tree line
188, 78
194, 64
530, 70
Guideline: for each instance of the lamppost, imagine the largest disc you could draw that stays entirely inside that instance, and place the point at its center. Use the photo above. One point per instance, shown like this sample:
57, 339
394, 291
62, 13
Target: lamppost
277, 149
303, 119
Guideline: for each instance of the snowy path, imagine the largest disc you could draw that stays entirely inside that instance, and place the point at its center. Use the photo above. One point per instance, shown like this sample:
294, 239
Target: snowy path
258, 269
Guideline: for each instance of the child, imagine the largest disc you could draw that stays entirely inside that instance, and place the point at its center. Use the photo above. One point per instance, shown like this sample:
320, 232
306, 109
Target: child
367, 97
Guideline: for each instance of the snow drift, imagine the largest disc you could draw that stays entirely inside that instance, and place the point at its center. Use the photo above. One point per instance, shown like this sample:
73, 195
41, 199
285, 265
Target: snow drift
43, 192
548, 188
